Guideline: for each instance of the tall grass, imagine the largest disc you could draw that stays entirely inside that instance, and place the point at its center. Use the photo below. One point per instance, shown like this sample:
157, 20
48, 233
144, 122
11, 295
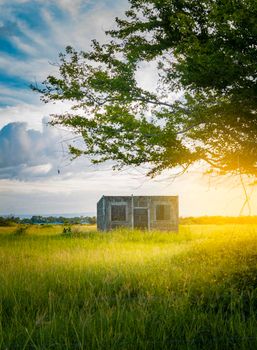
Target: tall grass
129, 289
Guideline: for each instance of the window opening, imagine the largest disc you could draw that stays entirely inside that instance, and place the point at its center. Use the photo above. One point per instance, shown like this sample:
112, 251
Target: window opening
162, 212
118, 212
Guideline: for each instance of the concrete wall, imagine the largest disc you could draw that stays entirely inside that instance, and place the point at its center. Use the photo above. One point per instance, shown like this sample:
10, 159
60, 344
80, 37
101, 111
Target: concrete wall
165, 225
105, 223
100, 215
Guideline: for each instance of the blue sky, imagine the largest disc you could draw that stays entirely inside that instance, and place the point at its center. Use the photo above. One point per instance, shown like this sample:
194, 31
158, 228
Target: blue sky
32, 33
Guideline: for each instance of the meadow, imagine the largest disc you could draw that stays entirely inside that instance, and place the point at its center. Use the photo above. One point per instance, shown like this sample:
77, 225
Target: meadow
128, 289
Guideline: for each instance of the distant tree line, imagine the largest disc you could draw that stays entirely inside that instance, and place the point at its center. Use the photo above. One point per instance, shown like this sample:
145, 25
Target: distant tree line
38, 219
91, 220
217, 220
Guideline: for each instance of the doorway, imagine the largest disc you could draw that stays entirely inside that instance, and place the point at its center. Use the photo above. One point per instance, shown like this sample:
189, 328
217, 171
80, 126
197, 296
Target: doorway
141, 219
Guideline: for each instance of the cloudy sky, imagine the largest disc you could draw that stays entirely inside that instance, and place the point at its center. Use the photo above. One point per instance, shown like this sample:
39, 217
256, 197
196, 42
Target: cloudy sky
36, 174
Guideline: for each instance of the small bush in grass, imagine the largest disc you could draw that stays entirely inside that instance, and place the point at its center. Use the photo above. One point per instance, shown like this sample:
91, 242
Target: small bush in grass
67, 231
21, 230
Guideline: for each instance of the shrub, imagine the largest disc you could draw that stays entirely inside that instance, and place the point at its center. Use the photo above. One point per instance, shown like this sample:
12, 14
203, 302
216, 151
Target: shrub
67, 231
21, 230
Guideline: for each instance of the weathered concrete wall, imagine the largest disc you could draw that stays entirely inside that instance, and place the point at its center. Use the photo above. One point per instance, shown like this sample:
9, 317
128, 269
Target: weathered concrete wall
104, 205
101, 215
165, 225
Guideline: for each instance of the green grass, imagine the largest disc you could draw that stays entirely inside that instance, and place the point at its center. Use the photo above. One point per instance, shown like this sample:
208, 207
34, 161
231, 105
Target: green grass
128, 289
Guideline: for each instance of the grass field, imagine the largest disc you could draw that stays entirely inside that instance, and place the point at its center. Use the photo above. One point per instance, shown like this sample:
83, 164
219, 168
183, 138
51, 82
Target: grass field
128, 289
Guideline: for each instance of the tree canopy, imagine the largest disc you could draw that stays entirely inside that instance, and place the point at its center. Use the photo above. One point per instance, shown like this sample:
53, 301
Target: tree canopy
203, 51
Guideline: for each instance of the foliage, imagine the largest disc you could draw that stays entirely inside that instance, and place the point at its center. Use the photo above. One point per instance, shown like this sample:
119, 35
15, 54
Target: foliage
129, 290
21, 230
205, 49
218, 220
73, 232
62, 220
9, 221
67, 231
46, 220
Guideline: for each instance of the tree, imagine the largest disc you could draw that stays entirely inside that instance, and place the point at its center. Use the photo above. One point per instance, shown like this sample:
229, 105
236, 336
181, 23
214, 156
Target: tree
206, 49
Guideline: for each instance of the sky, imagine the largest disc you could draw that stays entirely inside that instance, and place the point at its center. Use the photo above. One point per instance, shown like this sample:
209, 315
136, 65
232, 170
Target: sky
36, 173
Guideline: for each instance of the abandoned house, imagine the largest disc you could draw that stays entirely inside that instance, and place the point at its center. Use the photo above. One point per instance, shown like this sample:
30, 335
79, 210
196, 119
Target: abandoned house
139, 212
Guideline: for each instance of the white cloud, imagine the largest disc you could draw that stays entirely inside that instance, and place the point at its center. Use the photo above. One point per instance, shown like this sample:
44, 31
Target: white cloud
23, 46
80, 194
14, 96
31, 112
30, 69
43, 47
38, 169
36, 39
26, 153
83, 26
